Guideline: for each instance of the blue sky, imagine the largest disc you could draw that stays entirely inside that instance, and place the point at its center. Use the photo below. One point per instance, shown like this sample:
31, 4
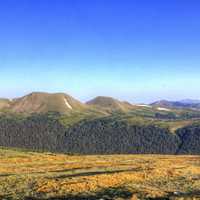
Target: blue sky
135, 50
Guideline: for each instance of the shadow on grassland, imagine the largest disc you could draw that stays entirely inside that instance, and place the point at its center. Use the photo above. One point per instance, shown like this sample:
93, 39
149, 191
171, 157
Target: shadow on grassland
94, 173
122, 194
106, 194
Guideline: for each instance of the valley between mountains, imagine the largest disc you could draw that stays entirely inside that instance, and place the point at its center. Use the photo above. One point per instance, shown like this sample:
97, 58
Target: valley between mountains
104, 125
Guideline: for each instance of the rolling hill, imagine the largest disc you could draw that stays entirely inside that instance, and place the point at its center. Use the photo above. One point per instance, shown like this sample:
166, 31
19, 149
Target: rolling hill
110, 104
40, 102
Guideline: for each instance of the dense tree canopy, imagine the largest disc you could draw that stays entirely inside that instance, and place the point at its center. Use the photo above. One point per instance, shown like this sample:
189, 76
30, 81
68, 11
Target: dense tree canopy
97, 136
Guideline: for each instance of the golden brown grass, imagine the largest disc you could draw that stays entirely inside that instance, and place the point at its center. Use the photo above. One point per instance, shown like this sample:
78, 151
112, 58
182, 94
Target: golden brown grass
45, 175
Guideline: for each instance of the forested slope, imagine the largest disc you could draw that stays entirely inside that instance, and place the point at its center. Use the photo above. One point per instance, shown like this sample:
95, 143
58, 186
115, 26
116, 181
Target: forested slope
36, 133
96, 136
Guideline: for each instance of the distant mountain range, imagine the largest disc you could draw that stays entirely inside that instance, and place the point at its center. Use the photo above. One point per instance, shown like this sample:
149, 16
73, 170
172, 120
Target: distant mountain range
41, 102
190, 101
187, 104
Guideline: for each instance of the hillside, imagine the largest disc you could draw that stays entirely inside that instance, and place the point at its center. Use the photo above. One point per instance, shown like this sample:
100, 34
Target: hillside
4, 103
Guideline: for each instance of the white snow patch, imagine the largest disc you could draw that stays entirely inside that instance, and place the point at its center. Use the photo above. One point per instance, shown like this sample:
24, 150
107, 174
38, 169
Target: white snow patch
164, 109
144, 105
67, 104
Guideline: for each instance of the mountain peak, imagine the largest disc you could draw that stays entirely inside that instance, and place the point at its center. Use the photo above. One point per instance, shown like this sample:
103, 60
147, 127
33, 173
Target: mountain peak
162, 102
40, 102
109, 103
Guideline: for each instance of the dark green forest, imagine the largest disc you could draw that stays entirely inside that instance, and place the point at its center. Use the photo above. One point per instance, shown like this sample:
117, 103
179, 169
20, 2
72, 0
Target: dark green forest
104, 135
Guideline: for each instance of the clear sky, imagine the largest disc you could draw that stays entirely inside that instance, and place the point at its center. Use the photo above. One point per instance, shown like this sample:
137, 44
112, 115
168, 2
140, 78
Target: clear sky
135, 50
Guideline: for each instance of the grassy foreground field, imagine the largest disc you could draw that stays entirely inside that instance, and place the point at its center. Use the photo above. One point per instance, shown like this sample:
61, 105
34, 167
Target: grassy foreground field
36, 176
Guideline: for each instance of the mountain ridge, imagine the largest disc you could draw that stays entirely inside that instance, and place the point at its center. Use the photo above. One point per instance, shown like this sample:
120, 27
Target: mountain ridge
41, 102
